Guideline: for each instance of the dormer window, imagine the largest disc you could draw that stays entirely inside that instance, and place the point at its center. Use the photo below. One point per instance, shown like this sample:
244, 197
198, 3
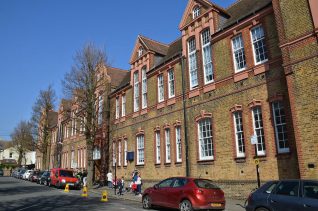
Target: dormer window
140, 51
196, 12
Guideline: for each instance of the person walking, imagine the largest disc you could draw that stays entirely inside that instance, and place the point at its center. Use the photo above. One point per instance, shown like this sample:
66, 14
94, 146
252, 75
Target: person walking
121, 184
138, 183
110, 179
84, 178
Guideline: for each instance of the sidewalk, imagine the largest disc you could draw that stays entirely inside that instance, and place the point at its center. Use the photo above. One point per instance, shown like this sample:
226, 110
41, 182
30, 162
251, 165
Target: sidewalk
231, 204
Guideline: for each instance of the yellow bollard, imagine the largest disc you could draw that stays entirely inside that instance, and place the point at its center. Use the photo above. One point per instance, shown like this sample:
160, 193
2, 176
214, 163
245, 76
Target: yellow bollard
67, 188
104, 196
84, 194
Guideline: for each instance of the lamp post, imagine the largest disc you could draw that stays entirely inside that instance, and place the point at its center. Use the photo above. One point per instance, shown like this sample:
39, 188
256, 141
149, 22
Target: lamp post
115, 175
254, 141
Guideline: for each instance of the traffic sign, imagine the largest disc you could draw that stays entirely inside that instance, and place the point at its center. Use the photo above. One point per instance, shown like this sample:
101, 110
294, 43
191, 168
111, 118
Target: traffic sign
254, 139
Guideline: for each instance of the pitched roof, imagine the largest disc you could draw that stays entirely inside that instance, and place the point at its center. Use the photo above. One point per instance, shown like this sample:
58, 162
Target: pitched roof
175, 48
155, 46
242, 9
116, 75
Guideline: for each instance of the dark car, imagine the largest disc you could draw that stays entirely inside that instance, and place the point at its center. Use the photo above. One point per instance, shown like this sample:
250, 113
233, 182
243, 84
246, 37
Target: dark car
184, 193
34, 177
1, 172
44, 178
291, 195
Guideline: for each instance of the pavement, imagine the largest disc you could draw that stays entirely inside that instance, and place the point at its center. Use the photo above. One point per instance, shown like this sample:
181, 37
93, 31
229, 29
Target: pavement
231, 204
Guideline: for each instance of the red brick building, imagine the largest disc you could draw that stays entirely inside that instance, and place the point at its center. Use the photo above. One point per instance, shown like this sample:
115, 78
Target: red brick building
190, 107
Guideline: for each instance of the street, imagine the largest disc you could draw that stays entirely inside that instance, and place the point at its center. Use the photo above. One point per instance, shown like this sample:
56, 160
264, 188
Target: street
21, 195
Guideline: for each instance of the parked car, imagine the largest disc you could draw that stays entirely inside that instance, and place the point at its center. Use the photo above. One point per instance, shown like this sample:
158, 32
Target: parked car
35, 176
26, 174
20, 173
291, 195
60, 177
44, 178
185, 194
1, 172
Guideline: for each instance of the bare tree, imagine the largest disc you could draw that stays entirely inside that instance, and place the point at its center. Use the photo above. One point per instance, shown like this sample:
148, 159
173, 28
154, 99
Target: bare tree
40, 120
83, 83
22, 139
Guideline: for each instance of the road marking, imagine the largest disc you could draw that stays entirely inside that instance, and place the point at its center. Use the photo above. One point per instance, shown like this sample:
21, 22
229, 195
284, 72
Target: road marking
27, 207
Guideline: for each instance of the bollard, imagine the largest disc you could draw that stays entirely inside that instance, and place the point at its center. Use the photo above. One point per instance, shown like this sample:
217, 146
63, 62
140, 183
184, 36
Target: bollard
67, 188
104, 196
84, 194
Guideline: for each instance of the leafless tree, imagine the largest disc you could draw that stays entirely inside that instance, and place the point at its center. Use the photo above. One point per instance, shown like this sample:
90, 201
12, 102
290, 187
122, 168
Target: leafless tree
83, 83
22, 139
40, 121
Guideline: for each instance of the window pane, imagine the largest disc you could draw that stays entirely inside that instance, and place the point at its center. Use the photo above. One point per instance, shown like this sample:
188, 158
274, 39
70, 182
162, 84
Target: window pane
288, 188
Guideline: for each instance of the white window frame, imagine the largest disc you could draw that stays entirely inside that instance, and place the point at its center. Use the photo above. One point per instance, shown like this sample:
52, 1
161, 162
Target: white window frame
123, 105
144, 88
158, 150
140, 149
114, 154
171, 87
168, 145
239, 134
119, 153
259, 131
136, 91
100, 109
140, 51
84, 157
178, 144
207, 57
205, 141
238, 53
281, 116
193, 66
196, 12
117, 107
161, 91
125, 152
259, 40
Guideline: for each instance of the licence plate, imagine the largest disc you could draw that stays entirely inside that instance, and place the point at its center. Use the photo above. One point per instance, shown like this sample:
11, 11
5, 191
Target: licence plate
216, 204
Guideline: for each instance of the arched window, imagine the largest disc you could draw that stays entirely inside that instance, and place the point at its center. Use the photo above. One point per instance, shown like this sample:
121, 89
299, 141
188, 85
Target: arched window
140, 51
196, 12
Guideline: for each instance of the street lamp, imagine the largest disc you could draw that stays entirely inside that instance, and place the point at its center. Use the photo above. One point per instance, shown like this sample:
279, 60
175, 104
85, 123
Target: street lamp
115, 175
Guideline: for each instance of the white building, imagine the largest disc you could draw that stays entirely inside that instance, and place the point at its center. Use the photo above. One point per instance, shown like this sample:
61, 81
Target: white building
12, 153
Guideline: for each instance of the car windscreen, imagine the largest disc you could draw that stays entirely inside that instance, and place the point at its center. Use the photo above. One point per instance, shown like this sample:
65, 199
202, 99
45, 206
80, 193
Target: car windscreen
64, 173
204, 183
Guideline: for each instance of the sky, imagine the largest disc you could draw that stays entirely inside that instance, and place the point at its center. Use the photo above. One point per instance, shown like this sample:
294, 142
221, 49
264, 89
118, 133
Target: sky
39, 38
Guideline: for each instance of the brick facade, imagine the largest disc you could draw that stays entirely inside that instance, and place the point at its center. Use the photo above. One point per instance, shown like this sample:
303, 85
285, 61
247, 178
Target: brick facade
261, 85
206, 125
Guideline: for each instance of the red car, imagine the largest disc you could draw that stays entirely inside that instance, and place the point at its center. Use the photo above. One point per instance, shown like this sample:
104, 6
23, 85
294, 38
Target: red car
185, 194
60, 177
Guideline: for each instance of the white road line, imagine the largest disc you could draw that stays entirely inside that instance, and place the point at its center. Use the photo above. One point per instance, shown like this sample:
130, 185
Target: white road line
27, 207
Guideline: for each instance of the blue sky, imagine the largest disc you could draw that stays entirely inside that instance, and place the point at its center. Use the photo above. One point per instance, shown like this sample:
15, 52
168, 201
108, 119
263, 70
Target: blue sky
39, 38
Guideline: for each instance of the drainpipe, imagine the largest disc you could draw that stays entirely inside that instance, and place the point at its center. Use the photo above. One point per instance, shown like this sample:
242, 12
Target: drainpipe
185, 117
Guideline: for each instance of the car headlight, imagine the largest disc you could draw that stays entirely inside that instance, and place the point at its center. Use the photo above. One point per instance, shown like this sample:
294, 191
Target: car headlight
63, 180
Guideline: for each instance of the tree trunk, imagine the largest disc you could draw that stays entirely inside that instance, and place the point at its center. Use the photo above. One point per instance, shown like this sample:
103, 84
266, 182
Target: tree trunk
90, 163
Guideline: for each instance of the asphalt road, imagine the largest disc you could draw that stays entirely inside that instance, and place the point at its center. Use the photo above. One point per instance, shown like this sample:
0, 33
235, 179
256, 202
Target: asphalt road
21, 195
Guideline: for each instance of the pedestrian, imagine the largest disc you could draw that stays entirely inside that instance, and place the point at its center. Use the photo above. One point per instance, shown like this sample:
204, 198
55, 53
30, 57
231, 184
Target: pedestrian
138, 183
110, 179
84, 178
121, 184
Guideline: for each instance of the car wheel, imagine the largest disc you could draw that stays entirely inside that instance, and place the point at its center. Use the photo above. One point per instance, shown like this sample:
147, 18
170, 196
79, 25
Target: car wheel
185, 205
261, 209
146, 202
